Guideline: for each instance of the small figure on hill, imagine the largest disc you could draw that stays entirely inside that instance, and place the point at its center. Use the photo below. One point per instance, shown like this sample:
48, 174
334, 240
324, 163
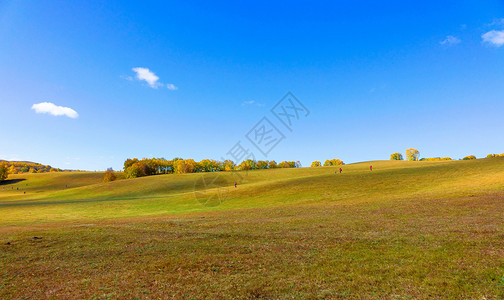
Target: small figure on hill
66, 186
340, 170
236, 183
371, 167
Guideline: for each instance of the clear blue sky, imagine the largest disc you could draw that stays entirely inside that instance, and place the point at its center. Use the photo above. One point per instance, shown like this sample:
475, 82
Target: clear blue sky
377, 78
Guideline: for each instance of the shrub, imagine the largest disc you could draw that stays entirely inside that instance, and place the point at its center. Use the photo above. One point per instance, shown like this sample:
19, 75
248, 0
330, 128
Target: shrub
469, 157
109, 176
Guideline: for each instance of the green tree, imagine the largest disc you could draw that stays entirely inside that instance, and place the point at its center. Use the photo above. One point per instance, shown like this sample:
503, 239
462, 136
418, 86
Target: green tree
248, 164
316, 164
208, 165
412, 154
469, 157
4, 172
396, 156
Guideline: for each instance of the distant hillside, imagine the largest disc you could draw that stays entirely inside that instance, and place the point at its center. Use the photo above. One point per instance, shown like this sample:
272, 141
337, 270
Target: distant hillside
16, 167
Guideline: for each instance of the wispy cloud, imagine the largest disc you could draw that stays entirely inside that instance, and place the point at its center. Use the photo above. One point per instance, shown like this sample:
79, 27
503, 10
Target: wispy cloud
450, 41
171, 87
147, 75
497, 22
129, 78
494, 37
248, 102
55, 110
144, 74
251, 102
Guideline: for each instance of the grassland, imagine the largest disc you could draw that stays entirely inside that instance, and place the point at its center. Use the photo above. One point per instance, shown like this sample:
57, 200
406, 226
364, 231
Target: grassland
403, 230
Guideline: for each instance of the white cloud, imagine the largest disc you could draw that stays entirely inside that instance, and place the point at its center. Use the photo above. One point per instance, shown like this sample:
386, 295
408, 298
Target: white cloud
248, 102
494, 37
450, 40
152, 80
171, 87
55, 110
251, 102
148, 76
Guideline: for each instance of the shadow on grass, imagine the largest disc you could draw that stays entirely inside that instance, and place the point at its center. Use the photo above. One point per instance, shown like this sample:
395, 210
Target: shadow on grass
36, 202
11, 181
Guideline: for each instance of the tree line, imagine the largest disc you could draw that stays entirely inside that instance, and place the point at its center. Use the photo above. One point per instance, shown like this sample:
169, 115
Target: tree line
327, 163
17, 167
413, 155
134, 167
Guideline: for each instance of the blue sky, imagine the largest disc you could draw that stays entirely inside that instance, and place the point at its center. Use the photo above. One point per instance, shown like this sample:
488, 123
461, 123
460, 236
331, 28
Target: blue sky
377, 78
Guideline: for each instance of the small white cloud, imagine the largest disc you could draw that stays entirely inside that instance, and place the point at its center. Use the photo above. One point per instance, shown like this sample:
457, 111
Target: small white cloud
55, 110
251, 102
152, 80
248, 102
148, 76
171, 87
494, 37
450, 41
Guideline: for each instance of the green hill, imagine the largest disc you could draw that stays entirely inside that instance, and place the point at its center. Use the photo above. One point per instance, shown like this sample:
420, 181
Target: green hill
62, 193
405, 229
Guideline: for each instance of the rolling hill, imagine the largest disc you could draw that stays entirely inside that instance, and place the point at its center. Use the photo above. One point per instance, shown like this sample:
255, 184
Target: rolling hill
405, 229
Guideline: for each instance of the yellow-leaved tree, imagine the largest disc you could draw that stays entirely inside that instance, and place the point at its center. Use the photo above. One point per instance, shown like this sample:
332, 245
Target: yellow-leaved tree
396, 156
412, 154
4, 172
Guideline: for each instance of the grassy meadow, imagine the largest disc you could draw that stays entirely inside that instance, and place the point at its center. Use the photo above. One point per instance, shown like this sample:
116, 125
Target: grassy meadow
405, 230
